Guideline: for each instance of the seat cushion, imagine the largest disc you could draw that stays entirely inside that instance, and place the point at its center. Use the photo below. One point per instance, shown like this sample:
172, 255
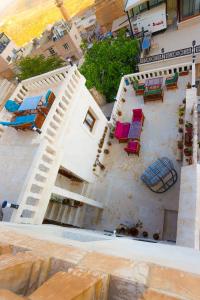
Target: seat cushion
11, 106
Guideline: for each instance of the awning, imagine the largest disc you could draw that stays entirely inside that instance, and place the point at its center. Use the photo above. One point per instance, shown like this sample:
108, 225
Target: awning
132, 3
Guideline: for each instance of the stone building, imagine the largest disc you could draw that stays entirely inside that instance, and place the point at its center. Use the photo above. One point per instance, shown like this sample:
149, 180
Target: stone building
62, 39
107, 11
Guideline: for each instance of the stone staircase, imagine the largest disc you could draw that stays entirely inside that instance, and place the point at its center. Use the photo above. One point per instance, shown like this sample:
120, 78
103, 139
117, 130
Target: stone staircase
64, 214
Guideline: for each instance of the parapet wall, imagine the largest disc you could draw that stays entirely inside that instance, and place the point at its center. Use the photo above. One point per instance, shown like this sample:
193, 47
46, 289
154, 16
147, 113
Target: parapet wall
68, 272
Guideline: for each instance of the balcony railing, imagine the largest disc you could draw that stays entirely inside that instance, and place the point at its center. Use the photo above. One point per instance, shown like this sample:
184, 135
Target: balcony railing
170, 55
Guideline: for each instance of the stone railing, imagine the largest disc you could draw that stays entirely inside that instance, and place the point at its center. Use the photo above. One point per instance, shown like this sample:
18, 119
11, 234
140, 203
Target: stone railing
47, 79
142, 76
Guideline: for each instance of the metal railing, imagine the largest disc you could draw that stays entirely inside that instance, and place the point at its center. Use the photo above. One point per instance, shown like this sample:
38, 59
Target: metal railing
170, 55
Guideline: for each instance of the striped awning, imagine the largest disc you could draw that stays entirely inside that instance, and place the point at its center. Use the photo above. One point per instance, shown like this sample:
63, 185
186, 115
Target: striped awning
132, 3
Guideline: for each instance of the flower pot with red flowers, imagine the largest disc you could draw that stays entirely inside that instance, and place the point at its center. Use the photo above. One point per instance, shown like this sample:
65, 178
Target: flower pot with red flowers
188, 151
189, 127
188, 139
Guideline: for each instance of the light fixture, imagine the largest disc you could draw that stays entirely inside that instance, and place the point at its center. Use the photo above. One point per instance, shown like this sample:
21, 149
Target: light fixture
6, 204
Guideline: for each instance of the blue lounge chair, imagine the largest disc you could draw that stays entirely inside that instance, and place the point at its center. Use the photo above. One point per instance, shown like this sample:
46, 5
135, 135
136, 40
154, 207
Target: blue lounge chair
49, 98
12, 106
24, 122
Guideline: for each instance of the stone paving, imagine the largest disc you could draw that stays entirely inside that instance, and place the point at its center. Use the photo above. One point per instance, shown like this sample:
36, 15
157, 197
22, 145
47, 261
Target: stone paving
119, 187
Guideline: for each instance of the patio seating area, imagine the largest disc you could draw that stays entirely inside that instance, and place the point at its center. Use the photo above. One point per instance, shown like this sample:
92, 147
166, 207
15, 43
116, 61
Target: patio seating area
30, 114
153, 89
131, 132
125, 196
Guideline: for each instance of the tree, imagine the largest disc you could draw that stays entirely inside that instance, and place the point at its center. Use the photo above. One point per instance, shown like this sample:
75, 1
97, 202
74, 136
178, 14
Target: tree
107, 61
33, 66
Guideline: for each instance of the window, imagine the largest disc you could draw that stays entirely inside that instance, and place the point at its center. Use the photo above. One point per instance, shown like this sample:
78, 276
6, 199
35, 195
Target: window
52, 51
8, 58
153, 3
89, 120
189, 8
140, 8
4, 41
66, 46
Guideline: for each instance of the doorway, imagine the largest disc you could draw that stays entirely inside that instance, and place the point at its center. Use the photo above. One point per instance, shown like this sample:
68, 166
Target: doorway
172, 8
170, 225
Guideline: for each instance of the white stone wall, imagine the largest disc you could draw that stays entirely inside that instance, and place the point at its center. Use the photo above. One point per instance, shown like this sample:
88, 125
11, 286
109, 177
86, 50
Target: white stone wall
81, 145
188, 229
15, 161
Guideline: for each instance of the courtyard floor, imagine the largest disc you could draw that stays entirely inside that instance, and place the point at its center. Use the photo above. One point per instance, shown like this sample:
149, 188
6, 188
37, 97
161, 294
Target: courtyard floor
119, 187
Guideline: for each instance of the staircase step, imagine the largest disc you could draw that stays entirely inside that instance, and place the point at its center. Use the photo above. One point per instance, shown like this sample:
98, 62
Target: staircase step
79, 216
48, 211
60, 213
72, 214
54, 211
65, 214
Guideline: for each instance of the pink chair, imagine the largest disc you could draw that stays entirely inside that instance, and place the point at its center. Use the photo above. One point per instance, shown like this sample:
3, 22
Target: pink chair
133, 147
138, 115
122, 131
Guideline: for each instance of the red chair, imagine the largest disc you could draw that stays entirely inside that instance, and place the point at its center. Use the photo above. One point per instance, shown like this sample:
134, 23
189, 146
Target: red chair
133, 147
122, 131
138, 115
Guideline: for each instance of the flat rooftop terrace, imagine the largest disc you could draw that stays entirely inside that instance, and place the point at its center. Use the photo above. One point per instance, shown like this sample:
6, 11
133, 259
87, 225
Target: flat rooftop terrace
175, 39
119, 187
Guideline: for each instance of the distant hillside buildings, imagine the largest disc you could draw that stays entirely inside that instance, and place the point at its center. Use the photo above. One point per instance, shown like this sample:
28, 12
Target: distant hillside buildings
62, 39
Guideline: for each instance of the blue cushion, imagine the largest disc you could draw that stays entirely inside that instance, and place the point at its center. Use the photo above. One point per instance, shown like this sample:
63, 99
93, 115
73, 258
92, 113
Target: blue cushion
21, 120
12, 106
47, 97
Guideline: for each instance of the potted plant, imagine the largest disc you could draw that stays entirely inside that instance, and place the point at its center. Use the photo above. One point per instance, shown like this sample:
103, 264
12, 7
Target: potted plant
156, 236
180, 145
188, 151
111, 135
181, 121
189, 127
119, 113
106, 151
145, 234
134, 231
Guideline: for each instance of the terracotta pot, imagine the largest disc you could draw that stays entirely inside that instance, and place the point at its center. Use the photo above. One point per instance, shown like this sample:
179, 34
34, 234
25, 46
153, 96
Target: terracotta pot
134, 231
187, 152
156, 236
106, 151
